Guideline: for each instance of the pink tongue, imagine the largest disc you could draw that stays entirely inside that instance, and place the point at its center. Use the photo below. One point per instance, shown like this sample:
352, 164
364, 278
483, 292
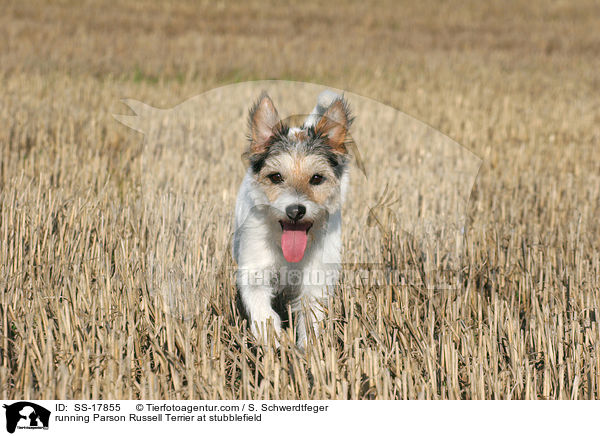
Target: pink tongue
293, 242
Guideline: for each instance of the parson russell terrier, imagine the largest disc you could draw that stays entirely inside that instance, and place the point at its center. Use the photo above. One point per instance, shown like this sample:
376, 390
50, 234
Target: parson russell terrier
287, 241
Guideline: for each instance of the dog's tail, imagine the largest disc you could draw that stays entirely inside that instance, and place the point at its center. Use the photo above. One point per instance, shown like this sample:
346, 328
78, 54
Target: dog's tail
324, 100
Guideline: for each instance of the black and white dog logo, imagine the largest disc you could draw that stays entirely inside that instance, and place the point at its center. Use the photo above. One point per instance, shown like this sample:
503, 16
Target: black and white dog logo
26, 415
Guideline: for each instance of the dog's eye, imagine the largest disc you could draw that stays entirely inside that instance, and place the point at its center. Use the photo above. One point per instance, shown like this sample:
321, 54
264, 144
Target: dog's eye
275, 178
316, 179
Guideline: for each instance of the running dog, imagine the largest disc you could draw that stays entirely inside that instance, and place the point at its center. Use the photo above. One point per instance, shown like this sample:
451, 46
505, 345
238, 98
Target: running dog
287, 241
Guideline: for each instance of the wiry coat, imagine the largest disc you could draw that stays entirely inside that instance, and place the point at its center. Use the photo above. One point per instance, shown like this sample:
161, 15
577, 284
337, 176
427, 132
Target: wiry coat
304, 167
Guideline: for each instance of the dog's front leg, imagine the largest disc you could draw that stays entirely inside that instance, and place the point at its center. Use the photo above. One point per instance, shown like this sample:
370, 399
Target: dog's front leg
257, 303
309, 318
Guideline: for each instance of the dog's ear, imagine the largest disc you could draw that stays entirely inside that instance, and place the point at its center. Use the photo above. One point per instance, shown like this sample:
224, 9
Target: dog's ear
263, 120
334, 125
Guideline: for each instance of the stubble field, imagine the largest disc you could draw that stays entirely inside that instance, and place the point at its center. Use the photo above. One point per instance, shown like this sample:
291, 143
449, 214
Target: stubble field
90, 240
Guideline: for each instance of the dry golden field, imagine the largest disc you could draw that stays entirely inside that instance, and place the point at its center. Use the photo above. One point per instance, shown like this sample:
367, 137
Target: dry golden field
90, 238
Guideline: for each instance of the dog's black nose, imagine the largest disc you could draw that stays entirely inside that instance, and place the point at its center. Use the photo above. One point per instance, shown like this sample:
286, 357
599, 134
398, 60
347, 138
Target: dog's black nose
295, 212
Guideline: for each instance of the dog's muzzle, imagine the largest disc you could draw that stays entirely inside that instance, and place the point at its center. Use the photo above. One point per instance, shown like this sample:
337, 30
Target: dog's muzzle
295, 212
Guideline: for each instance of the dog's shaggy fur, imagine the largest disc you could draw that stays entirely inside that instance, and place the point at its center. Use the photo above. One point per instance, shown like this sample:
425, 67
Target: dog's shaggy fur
287, 241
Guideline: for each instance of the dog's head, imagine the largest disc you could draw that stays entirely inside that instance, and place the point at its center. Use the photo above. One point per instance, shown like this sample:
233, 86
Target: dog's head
300, 170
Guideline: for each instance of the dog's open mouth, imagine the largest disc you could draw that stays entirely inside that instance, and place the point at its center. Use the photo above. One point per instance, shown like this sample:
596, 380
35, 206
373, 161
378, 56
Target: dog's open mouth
294, 237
